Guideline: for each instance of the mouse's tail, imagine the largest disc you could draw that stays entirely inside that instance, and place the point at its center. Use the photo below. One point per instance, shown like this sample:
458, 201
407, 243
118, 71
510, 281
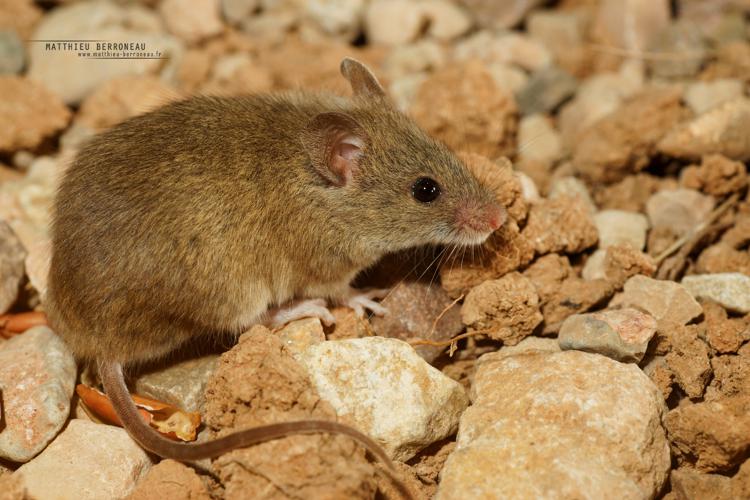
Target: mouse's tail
149, 439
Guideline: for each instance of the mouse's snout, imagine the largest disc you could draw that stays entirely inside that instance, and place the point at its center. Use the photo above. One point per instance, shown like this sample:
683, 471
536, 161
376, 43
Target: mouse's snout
477, 218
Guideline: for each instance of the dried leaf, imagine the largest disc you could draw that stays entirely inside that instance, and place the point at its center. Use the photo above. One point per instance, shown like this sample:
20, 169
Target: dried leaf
13, 324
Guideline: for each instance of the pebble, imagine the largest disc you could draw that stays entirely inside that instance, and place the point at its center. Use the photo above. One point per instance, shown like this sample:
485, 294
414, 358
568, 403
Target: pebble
508, 76
571, 187
182, 384
698, 440
617, 263
388, 391
538, 140
170, 479
12, 257
631, 24
72, 77
191, 20
720, 130
680, 38
447, 21
12, 57
667, 301
731, 290
616, 227
87, 461
298, 335
236, 11
620, 334
679, 210
337, 18
37, 376
506, 309
509, 48
702, 96
546, 90
688, 358
563, 425
547, 216
492, 14
29, 113
421, 56
563, 32
393, 22
413, 309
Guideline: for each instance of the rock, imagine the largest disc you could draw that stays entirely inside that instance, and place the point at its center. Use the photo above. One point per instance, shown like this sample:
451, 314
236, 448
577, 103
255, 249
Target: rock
28, 113
698, 440
546, 90
688, 359
20, 17
702, 96
568, 425
571, 187
181, 384
723, 334
617, 227
473, 110
393, 22
446, 20
259, 382
722, 258
630, 25
298, 335
12, 57
529, 344
617, 263
170, 479
731, 290
717, 176
37, 376
87, 461
620, 334
563, 33
236, 11
597, 97
508, 76
538, 140
121, 98
191, 20
680, 37
12, 256
388, 391
561, 291
720, 130
624, 141
491, 14
501, 178
406, 60
506, 309
688, 483
414, 309
337, 18
731, 375
548, 216
679, 210
73, 77
237, 74
667, 301
507, 48
660, 374
528, 188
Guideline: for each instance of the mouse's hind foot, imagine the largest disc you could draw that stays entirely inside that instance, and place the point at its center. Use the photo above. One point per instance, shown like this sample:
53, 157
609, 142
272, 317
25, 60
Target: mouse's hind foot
298, 309
360, 300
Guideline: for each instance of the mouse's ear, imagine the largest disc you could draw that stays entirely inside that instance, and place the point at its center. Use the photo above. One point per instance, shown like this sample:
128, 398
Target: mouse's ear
361, 79
335, 143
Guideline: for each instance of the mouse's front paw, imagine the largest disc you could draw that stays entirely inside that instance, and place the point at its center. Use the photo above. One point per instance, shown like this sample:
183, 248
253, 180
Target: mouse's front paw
359, 300
310, 308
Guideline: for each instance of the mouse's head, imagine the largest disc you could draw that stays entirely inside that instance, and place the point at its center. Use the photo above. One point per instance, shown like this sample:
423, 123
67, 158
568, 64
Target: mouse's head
410, 189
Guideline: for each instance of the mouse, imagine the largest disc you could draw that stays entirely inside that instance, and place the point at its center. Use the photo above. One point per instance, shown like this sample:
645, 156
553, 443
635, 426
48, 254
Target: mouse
211, 214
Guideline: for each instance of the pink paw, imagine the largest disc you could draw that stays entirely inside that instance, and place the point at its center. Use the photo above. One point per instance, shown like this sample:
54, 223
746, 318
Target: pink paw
359, 300
310, 308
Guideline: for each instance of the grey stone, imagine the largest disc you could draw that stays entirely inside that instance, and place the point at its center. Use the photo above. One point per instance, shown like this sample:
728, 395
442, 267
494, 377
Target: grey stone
684, 41
181, 385
12, 57
731, 290
12, 256
546, 90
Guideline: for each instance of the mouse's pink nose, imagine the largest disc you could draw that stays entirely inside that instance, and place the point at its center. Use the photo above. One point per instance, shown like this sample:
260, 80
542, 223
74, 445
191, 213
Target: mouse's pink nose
485, 217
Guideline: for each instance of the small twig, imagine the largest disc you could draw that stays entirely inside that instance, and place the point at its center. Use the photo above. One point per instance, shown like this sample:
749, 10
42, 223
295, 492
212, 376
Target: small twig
718, 212
649, 56
442, 313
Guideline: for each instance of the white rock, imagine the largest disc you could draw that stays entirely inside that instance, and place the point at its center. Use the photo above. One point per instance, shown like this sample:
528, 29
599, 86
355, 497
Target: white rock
618, 226
571, 187
37, 376
667, 301
73, 77
446, 20
388, 391
509, 48
721, 130
680, 210
393, 22
702, 96
538, 140
191, 20
558, 425
731, 290
337, 17
528, 187
593, 269
236, 11
87, 461
405, 60
507, 77
404, 90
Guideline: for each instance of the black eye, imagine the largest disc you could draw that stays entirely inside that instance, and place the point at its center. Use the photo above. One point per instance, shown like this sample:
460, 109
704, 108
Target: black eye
425, 190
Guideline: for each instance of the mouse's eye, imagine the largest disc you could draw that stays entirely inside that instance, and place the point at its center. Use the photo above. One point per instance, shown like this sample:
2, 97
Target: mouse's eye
425, 190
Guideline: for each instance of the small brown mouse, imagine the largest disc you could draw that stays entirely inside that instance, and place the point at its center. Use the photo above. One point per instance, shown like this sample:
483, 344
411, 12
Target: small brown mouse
202, 216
